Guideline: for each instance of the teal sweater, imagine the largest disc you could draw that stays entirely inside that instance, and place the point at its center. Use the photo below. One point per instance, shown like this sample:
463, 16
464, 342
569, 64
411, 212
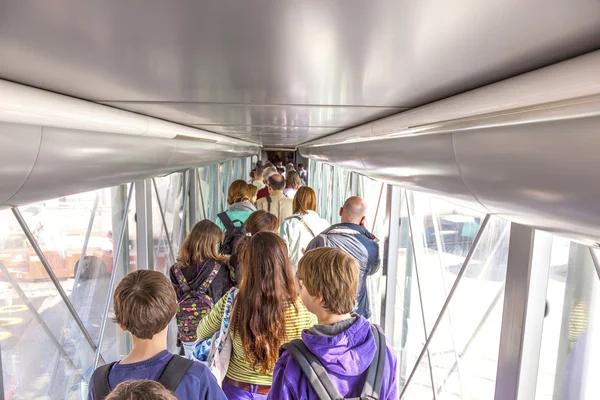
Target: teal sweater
237, 211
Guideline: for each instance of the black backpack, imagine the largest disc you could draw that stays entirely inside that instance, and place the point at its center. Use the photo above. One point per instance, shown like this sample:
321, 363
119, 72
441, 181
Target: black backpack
232, 233
170, 377
317, 375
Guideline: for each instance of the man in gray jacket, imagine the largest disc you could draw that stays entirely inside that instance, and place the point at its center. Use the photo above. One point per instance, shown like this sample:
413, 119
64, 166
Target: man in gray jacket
352, 236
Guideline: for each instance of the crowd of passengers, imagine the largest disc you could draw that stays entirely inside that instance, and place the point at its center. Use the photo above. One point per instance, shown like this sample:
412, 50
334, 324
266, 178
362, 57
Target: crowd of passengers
287, 290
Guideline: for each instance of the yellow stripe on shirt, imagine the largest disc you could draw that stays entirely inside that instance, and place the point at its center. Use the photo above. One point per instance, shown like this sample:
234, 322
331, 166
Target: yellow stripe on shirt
239, 368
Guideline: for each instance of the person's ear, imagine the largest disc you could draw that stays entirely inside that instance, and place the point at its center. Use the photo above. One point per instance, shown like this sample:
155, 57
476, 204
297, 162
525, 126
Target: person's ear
341, 211
123, 327
362, 221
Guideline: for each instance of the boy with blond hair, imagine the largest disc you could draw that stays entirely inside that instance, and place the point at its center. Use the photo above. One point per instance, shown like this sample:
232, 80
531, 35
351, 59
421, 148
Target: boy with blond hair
144, 304
344, 355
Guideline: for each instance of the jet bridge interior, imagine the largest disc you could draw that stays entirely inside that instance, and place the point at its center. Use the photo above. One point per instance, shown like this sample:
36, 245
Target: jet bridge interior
471, 129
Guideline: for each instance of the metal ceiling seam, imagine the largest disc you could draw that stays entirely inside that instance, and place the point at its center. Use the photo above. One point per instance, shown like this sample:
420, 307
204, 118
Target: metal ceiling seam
37, 156
575, 78
462, 178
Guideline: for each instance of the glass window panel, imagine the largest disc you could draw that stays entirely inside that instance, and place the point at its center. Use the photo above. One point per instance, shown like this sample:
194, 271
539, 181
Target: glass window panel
443, 234
569, 348
464, 349
35, 324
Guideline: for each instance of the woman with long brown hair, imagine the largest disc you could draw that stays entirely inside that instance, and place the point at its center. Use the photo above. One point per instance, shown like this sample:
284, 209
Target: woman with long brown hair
299, 229
200, 277
259, 221
267, 312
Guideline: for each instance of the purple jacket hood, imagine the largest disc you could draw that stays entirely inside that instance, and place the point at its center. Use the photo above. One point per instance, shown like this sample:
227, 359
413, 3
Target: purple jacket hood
346, 358
348, 354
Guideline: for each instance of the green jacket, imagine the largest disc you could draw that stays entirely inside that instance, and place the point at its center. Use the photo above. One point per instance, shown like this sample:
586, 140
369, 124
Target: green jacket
237, 211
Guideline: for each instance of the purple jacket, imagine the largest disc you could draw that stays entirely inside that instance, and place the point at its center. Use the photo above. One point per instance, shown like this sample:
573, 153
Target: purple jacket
346, 356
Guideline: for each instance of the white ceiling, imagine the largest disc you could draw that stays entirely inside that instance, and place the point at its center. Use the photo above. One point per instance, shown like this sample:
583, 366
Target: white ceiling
283, 72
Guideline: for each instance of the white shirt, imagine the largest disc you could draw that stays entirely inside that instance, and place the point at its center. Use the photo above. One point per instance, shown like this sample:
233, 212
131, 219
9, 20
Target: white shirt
296, 235
259, 184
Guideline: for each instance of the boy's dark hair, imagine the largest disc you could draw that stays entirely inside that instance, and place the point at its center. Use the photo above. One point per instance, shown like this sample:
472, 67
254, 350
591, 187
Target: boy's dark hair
145, 302
276, 182
332, 274
300, 165
140, 389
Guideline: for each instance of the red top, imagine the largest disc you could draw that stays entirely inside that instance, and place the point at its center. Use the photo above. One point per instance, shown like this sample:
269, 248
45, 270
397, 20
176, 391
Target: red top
264, 192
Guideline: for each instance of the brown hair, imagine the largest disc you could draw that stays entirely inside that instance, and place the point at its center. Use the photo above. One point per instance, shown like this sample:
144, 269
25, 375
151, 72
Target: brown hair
140, 389
267, 285
201, 244
145, 302
260, 221
292, 179
304, 200
333, 275
238, 191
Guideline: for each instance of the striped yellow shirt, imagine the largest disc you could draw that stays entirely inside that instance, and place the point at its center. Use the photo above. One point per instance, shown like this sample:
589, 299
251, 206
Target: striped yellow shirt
239, 369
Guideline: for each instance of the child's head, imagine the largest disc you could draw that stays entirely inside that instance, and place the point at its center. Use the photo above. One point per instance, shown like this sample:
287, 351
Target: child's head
260, 221
140, 389
202, 243
145, 302
328, 281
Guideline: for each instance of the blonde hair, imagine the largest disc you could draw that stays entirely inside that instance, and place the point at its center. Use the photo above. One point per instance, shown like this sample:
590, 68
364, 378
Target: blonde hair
238, 191
333, 275
201, 244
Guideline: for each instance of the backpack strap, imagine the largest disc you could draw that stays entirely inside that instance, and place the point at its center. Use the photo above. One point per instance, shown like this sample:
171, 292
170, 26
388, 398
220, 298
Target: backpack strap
269, 200
206, 284
226, 221
174, 372
181, 279
374, 379
100, 380
306, 225
313, 370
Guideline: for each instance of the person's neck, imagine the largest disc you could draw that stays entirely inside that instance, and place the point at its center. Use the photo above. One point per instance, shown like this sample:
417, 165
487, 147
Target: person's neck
144, 349
276, 192
325, 318
347, 221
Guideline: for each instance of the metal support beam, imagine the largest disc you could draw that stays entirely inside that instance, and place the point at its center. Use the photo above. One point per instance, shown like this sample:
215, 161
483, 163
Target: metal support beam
1, 375
184, 208
423, 320
52, 276
449, 298
111, 282
595, 261
164, 221
390, 258
144, 236
383, 185
86, 240
38, 319
523, 315
204, 215
193, 201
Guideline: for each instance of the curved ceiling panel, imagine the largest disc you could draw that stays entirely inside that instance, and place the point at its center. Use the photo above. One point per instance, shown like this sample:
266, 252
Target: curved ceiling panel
19, 146
543, 174
71, 161
216, 57
424, 163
